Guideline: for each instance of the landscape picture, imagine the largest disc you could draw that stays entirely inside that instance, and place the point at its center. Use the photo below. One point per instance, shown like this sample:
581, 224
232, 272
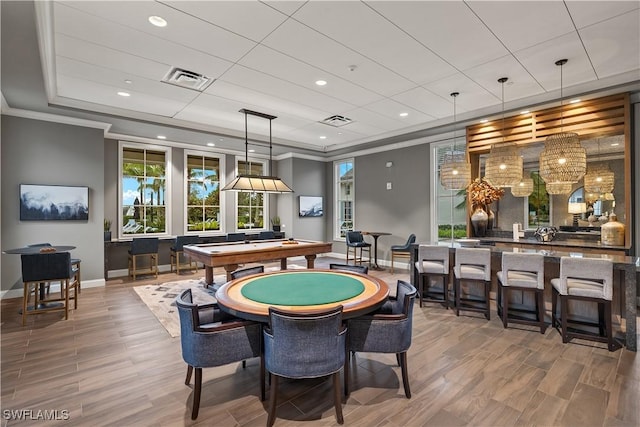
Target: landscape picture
310, 206
53, 202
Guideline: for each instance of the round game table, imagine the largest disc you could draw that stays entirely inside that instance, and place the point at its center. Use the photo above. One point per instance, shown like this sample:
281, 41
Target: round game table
304, 291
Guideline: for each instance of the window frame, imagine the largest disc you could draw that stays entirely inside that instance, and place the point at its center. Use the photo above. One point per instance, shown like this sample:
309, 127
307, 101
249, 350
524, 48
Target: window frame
221, 163
122, 145
337, 226
265, 199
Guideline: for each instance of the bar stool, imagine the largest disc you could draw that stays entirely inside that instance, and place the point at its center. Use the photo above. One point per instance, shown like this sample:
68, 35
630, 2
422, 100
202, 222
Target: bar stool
176, 251
589, 280
473, 265
354, 241
433, 262
143, 247
521, 272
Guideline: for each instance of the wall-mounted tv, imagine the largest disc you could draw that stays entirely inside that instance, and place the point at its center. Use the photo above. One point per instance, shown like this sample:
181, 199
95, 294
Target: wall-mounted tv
53, 203
310, 206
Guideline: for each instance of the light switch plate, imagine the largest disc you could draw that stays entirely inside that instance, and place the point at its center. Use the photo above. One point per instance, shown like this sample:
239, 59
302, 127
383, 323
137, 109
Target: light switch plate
388, 186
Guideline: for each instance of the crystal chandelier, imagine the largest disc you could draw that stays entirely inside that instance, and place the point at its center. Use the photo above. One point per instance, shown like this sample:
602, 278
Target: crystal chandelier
564, 159
503, 166
455, 171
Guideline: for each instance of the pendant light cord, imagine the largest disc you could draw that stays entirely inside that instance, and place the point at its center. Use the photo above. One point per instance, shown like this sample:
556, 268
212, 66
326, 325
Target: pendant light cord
561, 62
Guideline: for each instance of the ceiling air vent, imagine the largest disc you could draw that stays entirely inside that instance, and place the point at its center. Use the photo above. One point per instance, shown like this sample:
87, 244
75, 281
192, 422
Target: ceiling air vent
336, 121
188, 79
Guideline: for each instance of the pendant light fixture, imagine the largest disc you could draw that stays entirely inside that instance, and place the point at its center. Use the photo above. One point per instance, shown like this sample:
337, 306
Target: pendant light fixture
523, 189
503, 166
257, 183
564, 159
558, 187
599, 179
455, 171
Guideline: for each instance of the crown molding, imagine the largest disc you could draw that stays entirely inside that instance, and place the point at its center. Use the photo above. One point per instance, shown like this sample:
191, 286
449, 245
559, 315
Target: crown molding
55, 118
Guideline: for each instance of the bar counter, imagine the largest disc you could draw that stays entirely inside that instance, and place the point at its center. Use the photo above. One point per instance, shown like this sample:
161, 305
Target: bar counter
626, 267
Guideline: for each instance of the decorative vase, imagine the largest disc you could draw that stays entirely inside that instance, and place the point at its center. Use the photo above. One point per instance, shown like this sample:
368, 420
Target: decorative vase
276, 228
479, 221
492, 218
612, 233
107, 236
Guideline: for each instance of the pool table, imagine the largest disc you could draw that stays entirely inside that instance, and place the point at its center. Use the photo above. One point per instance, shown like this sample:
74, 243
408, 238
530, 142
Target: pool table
230, 255
302, 290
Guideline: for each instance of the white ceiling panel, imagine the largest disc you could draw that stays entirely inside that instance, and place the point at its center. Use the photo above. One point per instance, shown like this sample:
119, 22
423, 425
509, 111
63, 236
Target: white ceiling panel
472, 96
449, 28
91, 73
81, 50
392, 109
261, 82
375, 37
520, 24
540, 61
520, 84
182, 29
586, 13
311, 47
614, 45
84, 90
80, 25
288, 7
287, 68
426, 102
237, 17
363, 115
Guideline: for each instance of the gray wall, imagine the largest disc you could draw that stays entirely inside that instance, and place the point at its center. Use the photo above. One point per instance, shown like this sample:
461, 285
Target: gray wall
40, 152
403, 210
309, 180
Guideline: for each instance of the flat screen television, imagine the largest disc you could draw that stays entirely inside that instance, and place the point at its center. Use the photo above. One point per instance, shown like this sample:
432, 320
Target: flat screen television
53, 203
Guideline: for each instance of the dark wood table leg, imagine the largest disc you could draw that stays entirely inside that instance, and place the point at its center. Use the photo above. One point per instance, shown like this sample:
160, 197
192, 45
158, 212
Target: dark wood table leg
283, 263
229, 268
310, 260
208, 275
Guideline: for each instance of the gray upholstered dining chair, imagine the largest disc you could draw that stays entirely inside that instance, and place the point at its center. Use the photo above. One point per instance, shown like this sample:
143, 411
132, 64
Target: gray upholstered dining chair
304, 345
473, 267
206, 343
402, 251
433, 263
355, 241
362, 269
143, 247
385, 333
41, 269
588, 280
75, 263
176, 252
241, 272
524, 273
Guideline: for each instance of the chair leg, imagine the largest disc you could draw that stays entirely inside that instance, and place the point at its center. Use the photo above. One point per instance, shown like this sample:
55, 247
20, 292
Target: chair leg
487, 298
392, 263
554, 302
347, 362
189, 372
456, 291
420, 288
272, 399
540, 305
504, 292
602, 330
405, 374
64, 284
336, 397
244, 364
611, 344
564, 310
262, 373
197, 389
25, 300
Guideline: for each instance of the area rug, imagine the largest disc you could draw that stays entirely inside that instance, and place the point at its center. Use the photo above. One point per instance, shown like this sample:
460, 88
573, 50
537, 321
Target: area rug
160, 298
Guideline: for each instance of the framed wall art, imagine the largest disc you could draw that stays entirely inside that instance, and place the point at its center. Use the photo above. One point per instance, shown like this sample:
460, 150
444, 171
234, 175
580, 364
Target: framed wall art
53, 203
310, 206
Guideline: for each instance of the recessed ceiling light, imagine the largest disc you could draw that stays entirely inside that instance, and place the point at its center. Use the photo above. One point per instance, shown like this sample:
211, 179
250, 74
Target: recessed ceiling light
125, 94
323, 137
484, 120
574, 101
339, 133
221, 139
615, 144
252, 151
128, 81
162, 137
321, 82
525, 112
211, 144
157, 21
404, 114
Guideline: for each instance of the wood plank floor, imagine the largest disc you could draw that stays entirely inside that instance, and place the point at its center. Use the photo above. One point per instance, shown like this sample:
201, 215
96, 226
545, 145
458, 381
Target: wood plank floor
112, 363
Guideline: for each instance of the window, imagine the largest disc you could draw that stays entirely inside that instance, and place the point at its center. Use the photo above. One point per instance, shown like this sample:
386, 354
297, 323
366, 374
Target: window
344, 197
202, 192
538, 204
449, 207
251, 205
143, 197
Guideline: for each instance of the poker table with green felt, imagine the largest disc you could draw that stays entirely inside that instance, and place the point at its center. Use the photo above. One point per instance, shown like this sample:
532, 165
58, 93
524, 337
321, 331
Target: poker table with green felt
302, 291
